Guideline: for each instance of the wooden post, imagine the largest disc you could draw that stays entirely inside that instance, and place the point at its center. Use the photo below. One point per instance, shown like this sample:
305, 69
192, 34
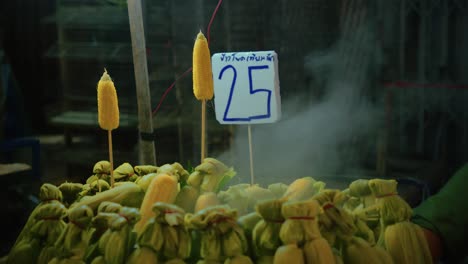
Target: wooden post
147, 153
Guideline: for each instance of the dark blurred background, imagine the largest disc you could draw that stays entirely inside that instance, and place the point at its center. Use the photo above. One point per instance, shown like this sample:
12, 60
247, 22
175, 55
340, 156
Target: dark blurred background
369, 89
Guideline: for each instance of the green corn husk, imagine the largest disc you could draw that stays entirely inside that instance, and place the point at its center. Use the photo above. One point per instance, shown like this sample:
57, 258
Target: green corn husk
102, 167
145, 181
100, 224
359, 188
247, 223
357, 251
221, 236
187, 198
74, 240
383, 255
195, 179
278, 189
215, 175
289, 254
318, 186
236, 197
143, 170
256, 194
175, 169
301, 223
406, 243
175, 261
238, 260
318, 251
177, 240
26, 251
352, 204
127, 194
143, 255
266, 232
48, 228
109, 207
117, 243
48, 193
70, 192
124, 172
363, 231
392, 208
166, 233
99, 260
265, 260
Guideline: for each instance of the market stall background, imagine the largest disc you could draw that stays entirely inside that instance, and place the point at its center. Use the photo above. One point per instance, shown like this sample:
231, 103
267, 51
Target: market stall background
369, 88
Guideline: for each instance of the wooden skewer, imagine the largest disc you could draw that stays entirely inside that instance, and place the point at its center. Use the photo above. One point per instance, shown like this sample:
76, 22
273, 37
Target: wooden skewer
203, 128
251, 156
111, 158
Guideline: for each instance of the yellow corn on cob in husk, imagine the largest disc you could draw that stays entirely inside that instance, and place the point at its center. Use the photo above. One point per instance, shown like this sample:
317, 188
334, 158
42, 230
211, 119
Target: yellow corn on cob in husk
239, 260
265, 235
222, 237
195, 179
102, 167
48, 193
48, 228
406, 243
206, 200
236, 197
73, 241
70, 192
187, 198
248, 222
174, 169
145, 181
300, 189
176, 239
143, 255
108, 107
128, 194
143, 170
301, 222
202, 73
318, 251
125, 172
118, 241
107, 212
278, 189
256, 194
358, 251
163, 188
289, 254
215, 175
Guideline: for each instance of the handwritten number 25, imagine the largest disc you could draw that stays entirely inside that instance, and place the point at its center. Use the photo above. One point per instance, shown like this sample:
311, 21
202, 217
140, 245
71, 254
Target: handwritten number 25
251, 91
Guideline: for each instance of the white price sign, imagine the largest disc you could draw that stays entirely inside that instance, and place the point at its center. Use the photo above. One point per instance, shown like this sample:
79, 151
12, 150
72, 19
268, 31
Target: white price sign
246, 87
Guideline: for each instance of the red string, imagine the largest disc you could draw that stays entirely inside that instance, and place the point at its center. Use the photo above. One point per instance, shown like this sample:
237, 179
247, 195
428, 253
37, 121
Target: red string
328, 206
208, 29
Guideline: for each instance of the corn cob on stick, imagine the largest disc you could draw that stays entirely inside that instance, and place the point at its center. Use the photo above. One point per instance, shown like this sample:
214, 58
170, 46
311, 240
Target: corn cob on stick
108, 112
202, 81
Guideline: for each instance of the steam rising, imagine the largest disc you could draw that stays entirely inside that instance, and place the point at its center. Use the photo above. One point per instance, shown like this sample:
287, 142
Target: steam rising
332, 134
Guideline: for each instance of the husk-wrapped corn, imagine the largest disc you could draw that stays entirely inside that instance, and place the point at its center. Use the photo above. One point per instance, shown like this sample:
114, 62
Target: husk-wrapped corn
265, 235
73, 242
143, 170
125, 172
221, 236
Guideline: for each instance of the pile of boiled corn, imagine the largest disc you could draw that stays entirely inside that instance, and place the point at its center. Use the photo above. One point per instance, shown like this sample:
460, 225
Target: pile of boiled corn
167, 215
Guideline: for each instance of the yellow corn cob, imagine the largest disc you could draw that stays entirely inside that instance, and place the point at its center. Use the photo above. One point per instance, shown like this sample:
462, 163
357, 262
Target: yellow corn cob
108, 107
163, 188
202, 74
206, 200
